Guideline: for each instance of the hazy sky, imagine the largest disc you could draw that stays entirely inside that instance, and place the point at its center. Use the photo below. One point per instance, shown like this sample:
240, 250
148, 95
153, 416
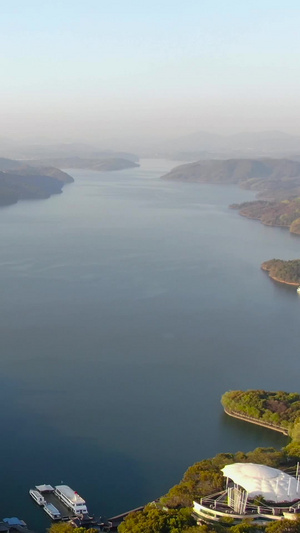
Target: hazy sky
85, 69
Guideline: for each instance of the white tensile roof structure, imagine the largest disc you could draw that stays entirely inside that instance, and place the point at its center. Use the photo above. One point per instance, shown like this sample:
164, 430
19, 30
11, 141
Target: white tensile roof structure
271, 483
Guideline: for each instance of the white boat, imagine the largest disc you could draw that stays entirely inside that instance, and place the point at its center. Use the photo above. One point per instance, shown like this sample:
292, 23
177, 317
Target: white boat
52, 511
37, 497
298, 290
71, 499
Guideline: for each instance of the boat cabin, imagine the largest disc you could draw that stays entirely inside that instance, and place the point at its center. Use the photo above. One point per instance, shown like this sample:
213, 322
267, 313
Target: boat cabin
71, 499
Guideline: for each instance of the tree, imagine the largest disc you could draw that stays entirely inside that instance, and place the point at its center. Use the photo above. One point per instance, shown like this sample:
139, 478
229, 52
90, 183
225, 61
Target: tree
61, 527
154, 520
293, 450
246, 526
284, 526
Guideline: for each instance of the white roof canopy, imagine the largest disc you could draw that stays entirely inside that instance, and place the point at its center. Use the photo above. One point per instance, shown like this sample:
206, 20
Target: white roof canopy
271, 483
45, 488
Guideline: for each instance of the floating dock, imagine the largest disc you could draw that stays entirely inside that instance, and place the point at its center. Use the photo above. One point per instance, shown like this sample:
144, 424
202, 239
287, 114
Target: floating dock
60, 502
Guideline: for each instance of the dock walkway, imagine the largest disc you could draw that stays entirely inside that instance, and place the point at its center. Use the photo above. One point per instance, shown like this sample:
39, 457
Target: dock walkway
66, 514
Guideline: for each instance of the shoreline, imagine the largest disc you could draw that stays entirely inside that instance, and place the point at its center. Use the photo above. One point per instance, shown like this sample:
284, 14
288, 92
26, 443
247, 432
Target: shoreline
293, 283
264, 223
270, 225
245, 418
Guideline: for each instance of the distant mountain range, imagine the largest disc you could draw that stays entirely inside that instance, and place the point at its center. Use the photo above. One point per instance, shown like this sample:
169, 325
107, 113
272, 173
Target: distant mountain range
192, 147
18, 150
198, 145
105, 164
205, 145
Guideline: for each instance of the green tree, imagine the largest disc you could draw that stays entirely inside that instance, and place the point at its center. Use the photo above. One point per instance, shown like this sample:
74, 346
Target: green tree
283, 526
154, 520
61, 527
246, 526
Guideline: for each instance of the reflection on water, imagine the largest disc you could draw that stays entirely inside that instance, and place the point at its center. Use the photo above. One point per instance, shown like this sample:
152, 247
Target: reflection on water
254, 434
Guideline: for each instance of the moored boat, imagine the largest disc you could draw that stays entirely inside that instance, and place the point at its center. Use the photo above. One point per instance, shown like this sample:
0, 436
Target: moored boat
37, 497
71, 499
298, 290
51, 510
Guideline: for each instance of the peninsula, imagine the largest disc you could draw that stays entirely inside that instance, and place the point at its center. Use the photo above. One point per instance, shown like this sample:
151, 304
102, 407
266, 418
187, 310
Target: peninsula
283, 271
271, 178
276, 410
285, 213
20, 181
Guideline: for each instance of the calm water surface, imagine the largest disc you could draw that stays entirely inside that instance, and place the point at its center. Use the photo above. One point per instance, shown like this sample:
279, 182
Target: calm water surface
128, 306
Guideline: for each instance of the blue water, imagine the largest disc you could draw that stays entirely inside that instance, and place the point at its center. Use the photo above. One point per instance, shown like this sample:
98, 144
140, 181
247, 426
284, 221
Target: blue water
128, 306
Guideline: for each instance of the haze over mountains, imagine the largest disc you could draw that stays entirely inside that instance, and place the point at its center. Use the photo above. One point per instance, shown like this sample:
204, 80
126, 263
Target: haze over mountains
197, 145
203, 144
266, 140
268, 162
66, 155
98, 164
18, 149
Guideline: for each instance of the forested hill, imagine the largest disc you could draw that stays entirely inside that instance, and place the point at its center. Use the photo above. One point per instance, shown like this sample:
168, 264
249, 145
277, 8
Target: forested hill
21, 181
285, 213
272, 178
283, 271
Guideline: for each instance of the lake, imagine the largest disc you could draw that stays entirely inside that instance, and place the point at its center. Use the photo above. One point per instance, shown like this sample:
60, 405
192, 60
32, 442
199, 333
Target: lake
129, 305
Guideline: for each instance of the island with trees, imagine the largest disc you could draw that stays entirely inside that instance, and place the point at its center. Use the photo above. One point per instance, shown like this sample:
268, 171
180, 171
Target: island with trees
283, 271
